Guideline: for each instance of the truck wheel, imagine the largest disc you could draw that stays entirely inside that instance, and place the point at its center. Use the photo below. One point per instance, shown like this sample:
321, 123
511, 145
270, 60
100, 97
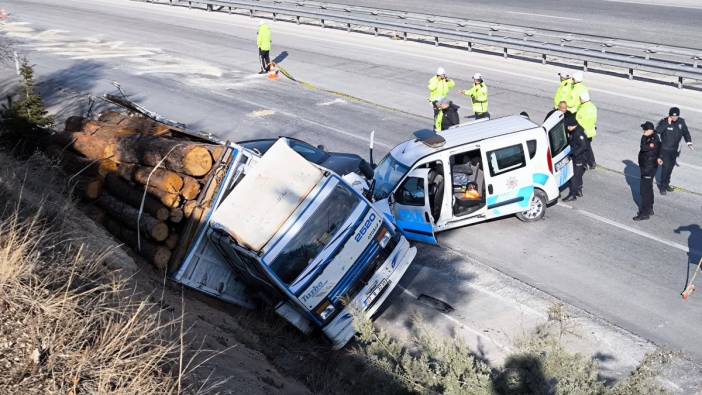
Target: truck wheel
537, 207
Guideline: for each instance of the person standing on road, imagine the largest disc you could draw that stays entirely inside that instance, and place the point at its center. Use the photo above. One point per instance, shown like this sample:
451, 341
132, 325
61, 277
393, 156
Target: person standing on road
264, 46
576, 92
563, 92
671, 130
649, 160
479, 95
439, 87
579, 145
447, 116
587, 118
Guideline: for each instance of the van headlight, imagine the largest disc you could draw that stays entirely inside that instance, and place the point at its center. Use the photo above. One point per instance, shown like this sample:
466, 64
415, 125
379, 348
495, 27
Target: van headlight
325, 310
383, 237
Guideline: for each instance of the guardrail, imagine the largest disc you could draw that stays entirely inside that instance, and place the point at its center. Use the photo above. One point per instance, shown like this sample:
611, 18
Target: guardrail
682, 63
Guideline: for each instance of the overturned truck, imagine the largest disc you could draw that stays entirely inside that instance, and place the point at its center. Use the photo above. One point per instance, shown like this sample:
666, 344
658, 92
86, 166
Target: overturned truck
283, 231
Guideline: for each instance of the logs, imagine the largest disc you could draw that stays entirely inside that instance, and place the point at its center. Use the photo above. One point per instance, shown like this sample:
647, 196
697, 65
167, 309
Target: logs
128, 215
158, 255
180, 156
133, 195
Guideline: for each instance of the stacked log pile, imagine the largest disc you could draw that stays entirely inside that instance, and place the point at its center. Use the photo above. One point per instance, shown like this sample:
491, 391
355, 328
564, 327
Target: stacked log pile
146, 184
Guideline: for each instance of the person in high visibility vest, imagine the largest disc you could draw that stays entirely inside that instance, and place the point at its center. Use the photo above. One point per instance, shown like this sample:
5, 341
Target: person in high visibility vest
479, 96
439, 87
447, 116
587, 118
574, 100
264, 46
563, 92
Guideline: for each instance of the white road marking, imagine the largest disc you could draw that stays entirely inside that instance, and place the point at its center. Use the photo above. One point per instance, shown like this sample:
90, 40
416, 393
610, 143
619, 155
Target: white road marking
544, 16
335, 101
626, 228
659, 3
463, 325
260, 113
683, 164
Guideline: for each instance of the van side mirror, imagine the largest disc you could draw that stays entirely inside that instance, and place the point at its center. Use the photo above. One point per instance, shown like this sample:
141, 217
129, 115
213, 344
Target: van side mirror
321, 147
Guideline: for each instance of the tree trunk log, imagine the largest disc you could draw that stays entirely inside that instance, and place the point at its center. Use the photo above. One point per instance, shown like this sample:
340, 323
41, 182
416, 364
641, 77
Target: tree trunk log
172, 241
133, 194
191, 188
73, 164
87, 188
128, 215
141, 125
188, 208
162, 179
176, 216
157, 255
180, 156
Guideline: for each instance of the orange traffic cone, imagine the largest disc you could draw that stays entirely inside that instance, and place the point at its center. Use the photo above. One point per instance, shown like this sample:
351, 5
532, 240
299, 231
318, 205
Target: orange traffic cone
273, 72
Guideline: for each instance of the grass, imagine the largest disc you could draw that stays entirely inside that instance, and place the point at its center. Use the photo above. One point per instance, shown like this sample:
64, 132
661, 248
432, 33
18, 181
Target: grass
69, 321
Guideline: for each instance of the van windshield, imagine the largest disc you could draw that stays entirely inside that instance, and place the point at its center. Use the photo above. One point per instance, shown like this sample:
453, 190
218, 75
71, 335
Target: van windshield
315, 233
388, 173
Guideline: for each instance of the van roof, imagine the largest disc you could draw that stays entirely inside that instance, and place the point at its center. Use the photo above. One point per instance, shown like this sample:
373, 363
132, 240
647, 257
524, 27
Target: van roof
414, 149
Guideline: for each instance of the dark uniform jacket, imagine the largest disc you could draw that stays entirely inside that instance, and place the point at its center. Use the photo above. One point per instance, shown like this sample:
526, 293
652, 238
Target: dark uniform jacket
451, 117
648, 154
672, 133
579, 145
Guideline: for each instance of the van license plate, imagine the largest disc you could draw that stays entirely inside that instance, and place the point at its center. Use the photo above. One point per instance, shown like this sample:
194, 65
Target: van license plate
376, 292
563, 163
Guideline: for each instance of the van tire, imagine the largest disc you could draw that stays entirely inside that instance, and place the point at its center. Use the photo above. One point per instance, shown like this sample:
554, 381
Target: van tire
537, 207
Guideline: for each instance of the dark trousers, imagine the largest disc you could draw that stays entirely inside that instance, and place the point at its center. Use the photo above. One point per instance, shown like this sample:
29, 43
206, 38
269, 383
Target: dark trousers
590, 155
646, 190
479, 115
669, 158
265, 59
576, 183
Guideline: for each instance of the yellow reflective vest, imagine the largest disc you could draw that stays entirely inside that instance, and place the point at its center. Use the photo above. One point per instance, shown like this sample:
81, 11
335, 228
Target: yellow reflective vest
563, 92
587, 118
439, 121
479, 95
439, 88
264, 38
574, 97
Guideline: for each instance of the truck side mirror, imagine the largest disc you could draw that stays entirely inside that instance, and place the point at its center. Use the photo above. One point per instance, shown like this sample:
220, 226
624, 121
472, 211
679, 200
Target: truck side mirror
321, 147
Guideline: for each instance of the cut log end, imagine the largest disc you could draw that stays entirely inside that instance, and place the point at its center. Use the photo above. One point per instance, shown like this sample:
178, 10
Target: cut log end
159, 232
176, 215
197, 161
161, 257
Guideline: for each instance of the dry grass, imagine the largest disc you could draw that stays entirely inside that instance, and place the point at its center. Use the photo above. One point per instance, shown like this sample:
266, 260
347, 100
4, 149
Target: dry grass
69, 322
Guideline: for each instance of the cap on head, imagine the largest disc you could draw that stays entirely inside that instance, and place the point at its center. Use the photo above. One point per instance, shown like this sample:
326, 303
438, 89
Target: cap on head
674, 112
478, 76
585, 97
570, 121
578, 76
648, 125
443, 102
440, 71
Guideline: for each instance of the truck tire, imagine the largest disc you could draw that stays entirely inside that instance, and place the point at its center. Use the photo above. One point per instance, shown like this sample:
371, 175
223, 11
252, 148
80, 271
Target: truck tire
537, 207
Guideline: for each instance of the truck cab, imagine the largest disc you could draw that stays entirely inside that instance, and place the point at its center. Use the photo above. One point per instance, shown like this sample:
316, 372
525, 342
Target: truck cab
291, 234
472, 173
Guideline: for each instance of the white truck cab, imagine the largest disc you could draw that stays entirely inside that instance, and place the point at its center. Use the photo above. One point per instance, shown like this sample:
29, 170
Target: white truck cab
286, 232
472, 173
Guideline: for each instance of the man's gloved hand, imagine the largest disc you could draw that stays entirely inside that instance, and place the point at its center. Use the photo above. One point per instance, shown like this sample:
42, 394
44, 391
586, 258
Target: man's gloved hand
690, 146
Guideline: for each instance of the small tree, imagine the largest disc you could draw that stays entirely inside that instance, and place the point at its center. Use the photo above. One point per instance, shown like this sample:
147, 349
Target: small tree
28, 112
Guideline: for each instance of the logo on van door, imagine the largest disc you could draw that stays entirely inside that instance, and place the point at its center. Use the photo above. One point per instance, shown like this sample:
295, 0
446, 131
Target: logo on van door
314, 291
364, 229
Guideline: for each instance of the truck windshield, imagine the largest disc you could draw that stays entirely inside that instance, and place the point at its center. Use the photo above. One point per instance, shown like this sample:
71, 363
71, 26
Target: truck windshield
387, 175
315, 234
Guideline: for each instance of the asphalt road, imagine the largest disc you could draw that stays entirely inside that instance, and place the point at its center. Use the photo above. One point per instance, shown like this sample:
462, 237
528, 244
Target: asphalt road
671, 22
198, 68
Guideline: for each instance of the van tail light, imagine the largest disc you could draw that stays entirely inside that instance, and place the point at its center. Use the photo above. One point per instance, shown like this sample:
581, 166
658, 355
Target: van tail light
549, 159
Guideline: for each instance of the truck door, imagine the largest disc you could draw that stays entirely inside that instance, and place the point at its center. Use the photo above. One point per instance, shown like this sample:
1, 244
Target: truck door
411, 208
560, 164
508, 178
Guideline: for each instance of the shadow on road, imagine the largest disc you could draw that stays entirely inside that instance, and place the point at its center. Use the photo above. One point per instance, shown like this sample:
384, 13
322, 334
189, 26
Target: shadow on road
632, 175
694, 246
281, 57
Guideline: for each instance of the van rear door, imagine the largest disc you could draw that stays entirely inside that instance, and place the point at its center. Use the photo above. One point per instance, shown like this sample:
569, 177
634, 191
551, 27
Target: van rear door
411, 208
559, 160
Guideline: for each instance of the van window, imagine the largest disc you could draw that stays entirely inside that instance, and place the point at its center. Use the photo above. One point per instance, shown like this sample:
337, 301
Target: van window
411, 193
558, 139
531, 146
506, 159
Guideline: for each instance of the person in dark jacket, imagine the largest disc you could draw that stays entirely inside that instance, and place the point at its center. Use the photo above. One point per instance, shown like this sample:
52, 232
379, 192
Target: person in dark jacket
649, 159
671, 130
580, 147
447, 116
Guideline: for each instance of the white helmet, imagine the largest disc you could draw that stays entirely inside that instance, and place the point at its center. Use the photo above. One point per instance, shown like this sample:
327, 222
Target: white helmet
440, 71
261, 22
578, 76
565, 73
478, 76
585, 97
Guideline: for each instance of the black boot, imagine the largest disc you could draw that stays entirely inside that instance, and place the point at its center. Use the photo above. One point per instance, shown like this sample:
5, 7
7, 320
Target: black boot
641, 217
570, 198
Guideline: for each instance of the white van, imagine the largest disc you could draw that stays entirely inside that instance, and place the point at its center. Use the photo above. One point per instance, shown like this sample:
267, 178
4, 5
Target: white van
473, 172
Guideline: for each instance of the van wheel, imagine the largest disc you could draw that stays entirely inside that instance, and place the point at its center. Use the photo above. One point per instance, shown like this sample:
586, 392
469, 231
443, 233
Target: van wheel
537, 208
